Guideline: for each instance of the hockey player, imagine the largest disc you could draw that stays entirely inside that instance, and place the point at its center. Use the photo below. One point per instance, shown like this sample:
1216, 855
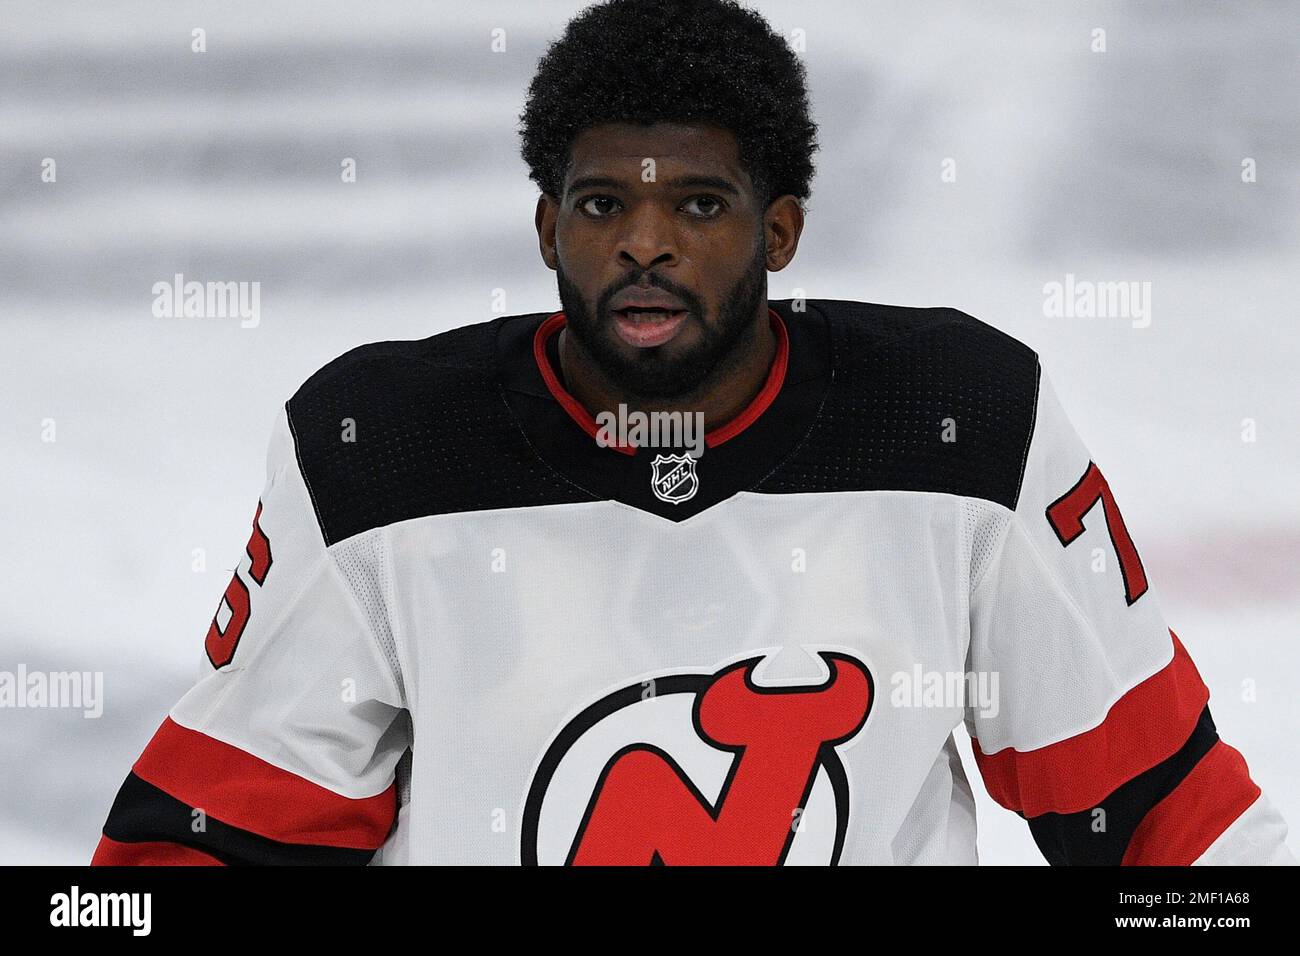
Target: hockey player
479, 628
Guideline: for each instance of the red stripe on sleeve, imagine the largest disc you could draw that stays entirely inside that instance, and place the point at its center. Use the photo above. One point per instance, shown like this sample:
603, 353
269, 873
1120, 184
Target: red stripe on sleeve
112, 853
1178, 829
245, 791
1145, 726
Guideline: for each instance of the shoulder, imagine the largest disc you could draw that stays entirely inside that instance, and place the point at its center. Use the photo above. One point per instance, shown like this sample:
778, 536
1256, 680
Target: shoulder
456, 352
866, 333
401, 429
922, 399
431, 378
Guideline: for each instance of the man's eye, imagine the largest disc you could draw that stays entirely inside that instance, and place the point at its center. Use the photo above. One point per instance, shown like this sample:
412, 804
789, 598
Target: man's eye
585, 205
712, 210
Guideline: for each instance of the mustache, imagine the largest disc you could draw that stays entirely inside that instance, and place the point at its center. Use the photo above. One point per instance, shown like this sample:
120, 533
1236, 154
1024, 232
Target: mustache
691, 301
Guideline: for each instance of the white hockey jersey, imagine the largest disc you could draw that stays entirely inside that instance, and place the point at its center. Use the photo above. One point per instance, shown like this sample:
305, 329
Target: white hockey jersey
466, 632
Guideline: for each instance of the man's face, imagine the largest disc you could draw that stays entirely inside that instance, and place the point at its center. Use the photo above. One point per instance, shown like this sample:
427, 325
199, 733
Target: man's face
692, 236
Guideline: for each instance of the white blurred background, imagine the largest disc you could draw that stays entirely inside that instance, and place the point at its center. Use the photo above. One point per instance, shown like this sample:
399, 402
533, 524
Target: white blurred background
1116, 166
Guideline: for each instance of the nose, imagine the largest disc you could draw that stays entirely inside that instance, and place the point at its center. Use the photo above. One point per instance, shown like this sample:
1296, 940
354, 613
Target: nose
648, 237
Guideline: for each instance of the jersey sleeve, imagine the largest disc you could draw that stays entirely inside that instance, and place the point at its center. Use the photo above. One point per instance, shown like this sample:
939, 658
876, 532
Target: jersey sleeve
1099, 733
284, 751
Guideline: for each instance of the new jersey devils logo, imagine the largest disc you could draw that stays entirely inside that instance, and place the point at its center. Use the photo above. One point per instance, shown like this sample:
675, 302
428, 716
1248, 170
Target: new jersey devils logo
701, 769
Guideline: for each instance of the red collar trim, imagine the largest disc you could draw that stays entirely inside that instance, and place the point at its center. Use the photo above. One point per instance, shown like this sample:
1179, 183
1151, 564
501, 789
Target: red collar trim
775, 379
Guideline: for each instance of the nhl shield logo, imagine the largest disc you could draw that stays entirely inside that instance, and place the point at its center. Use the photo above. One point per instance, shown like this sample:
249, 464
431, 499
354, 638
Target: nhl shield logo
673, 478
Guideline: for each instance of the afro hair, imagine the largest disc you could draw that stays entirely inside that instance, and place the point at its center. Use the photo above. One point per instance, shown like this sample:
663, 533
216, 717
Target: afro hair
705, 62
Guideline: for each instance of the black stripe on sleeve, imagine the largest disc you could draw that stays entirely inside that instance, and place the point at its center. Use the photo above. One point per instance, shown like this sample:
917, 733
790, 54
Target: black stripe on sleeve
144, 813
1087, 838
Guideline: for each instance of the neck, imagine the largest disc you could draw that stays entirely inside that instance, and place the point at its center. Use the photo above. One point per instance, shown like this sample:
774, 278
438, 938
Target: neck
720, 397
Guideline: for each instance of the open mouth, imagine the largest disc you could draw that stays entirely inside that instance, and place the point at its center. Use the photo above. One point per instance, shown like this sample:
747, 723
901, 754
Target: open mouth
647, 328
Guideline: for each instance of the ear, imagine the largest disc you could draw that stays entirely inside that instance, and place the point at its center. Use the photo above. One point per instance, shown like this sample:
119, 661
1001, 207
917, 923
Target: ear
548, 210
782, 226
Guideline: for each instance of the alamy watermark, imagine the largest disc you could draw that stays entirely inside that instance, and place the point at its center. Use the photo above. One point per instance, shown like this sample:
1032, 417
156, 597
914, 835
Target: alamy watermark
179, 299
1084, 299
921, 688
75, 908
63, 690
651, 429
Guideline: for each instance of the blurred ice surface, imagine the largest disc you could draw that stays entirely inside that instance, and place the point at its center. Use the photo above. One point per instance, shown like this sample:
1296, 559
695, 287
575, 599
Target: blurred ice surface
225, 166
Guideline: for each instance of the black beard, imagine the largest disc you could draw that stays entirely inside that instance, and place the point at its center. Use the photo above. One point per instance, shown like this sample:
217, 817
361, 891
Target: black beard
650, 375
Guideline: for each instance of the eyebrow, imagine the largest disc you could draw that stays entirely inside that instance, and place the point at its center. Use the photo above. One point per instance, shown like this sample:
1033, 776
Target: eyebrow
681, 182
